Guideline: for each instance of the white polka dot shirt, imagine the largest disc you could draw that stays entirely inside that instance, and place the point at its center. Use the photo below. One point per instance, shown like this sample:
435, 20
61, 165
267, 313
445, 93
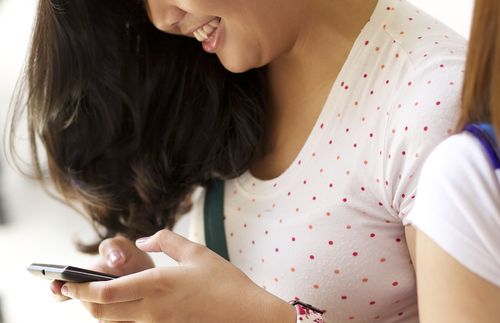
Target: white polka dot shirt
329, 231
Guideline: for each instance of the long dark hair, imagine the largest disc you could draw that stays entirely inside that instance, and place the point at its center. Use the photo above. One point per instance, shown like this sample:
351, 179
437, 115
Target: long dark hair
132, 119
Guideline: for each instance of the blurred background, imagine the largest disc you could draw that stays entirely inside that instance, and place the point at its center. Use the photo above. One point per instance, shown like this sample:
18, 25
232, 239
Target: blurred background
36, 228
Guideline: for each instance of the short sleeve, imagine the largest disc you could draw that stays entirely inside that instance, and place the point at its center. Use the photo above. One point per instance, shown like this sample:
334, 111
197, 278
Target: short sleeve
424, 113
458, 205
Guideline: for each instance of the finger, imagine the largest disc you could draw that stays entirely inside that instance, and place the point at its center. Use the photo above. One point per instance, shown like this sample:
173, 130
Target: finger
118, 312
123, 289
122, 257
172, 244
115, 251
55, 288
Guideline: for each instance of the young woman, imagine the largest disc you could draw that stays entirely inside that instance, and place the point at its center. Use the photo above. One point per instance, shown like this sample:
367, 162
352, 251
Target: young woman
317, 114
457, 211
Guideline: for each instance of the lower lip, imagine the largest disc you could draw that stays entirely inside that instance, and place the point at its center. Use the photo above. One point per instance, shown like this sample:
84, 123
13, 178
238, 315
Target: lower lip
213, 43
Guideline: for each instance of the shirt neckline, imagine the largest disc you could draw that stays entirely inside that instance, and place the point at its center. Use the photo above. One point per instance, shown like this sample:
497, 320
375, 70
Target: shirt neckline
253, 186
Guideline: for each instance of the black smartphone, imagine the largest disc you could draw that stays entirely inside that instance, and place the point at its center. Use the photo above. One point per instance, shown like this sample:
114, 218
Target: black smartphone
68, 273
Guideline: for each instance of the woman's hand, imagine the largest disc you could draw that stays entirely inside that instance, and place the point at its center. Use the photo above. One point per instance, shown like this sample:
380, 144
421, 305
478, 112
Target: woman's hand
203, 288
117, 256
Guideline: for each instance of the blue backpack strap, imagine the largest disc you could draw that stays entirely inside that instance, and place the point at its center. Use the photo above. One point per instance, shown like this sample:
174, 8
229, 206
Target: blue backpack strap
486, 135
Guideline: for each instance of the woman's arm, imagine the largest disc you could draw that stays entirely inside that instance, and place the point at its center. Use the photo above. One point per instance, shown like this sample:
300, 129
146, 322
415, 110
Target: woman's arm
447, 290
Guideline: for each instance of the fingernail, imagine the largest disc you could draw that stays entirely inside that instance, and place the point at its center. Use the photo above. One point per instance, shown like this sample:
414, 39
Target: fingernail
52, 289
65, 291
142, 240
115, 257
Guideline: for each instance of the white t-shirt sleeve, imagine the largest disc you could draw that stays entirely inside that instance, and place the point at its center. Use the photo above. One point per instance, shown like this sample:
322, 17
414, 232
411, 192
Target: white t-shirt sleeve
458, 205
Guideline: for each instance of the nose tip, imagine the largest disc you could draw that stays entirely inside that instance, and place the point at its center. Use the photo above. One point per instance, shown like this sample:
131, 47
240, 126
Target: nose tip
167, 20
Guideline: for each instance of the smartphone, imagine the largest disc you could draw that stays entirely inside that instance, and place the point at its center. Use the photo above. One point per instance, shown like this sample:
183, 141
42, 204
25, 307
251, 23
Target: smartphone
68, 273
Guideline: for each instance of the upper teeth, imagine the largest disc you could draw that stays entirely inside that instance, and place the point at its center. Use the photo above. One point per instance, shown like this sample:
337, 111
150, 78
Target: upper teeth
205, 31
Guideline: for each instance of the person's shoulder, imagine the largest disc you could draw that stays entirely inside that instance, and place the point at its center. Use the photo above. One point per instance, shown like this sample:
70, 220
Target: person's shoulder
421, 37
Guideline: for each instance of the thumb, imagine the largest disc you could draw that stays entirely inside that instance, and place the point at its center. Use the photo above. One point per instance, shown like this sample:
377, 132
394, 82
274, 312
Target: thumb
168, 242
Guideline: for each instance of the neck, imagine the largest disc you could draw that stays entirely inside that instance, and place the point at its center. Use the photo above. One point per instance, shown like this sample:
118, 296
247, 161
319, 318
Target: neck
322, 44
301, 78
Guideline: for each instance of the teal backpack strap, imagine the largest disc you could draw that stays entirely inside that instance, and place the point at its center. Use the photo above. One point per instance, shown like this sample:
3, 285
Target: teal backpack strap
215, 234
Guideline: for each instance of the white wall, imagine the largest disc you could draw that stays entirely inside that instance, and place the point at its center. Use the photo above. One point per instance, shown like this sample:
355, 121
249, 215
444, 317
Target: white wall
455, 13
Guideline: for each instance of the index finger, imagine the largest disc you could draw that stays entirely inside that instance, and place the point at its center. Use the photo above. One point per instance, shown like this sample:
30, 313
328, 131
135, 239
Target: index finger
123, 289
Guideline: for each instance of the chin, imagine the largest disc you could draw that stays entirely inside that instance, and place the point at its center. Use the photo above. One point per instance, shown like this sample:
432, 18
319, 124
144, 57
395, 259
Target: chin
238, 63
235, 67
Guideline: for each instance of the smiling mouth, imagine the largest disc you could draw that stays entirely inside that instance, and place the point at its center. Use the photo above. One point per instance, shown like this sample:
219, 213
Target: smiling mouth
205, 31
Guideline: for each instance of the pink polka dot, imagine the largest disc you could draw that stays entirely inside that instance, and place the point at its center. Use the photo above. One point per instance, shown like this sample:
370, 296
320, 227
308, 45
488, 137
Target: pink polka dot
311, 257
355, 254
344, 200
315, 286
293, 239
276, 249
372, 235
395, 284
343, 297
372, 303
367, 42
438, 103
330, 242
